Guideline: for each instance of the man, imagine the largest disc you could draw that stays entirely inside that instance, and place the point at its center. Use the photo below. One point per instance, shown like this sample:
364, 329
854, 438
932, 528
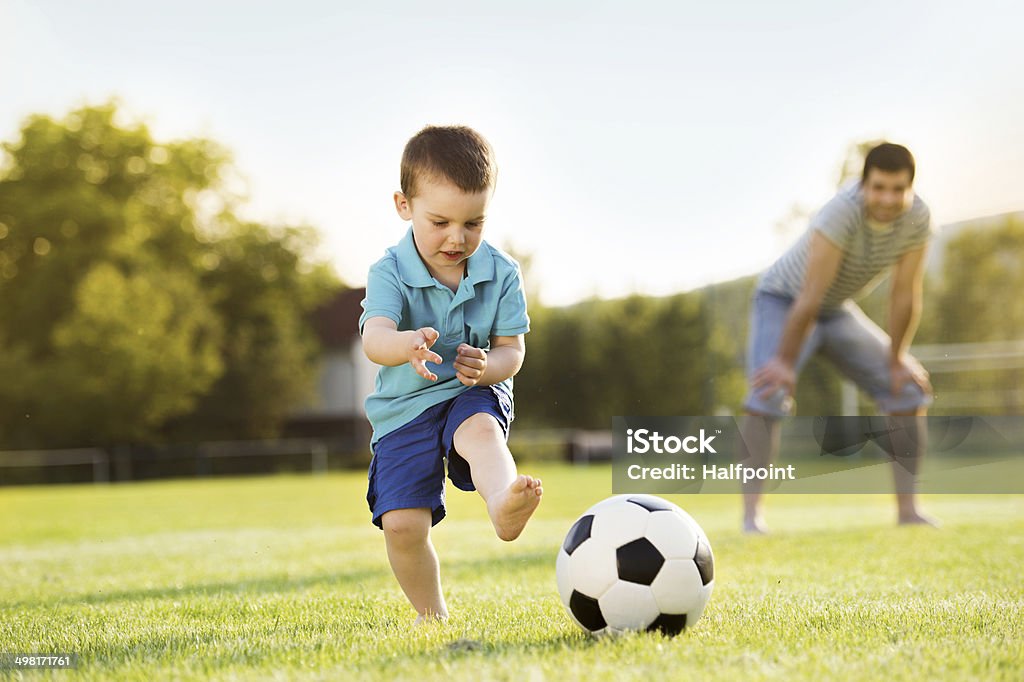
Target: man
802, 305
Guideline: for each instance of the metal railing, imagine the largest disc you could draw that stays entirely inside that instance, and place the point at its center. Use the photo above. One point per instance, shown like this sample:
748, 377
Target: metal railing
948, 358
104, 461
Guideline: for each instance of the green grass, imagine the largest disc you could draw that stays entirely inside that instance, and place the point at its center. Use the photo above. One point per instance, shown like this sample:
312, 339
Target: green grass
284, 578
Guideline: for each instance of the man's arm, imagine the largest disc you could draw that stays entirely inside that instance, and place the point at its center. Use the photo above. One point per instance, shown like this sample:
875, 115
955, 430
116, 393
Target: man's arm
823, 260
476, 367
905, 303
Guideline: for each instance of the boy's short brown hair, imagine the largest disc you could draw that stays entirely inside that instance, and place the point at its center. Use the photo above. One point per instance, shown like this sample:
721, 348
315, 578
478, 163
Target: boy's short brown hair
455, 153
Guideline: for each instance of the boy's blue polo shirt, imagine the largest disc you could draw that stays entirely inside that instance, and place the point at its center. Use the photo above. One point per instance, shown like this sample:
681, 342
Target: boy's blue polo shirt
490, 301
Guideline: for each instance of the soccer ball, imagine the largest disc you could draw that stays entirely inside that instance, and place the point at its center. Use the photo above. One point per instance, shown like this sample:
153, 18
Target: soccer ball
635, 562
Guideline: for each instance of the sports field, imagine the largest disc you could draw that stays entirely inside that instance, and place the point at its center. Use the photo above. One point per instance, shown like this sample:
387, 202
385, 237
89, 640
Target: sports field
284, 578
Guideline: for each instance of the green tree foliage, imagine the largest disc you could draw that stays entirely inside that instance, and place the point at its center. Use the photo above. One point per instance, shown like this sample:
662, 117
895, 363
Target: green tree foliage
852, 166
685, 354
980, 301
631, 356
135, 350
259, 285
983, 277
131, 295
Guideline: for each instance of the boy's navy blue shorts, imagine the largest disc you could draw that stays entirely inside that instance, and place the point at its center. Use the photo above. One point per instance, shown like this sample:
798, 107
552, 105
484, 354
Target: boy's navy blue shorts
407, 469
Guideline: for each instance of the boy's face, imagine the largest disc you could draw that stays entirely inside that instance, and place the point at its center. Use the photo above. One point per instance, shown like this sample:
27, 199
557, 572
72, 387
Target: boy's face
887, 195
447, 224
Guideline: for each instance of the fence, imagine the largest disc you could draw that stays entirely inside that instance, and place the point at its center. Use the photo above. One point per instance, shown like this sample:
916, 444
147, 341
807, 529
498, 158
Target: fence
950, 358
201, 459
575, 445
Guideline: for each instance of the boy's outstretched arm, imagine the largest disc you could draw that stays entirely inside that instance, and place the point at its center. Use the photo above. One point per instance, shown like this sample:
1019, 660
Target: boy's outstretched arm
477, 367
385, 345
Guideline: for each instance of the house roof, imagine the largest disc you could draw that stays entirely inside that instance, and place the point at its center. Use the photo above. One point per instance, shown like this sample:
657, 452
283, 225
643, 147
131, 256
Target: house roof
337, 321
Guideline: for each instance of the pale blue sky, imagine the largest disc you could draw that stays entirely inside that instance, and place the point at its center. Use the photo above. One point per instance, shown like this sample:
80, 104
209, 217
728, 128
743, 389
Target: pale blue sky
650, 148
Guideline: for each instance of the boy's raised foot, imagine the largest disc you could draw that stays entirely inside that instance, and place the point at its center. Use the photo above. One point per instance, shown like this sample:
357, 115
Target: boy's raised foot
512, 508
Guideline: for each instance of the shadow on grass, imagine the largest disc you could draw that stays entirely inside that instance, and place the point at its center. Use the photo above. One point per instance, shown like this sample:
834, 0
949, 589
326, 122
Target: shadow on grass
465, 648
177, 651
181, 654
347, 581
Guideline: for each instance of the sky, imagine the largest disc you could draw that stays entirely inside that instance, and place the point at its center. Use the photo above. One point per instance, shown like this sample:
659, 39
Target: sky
642, 147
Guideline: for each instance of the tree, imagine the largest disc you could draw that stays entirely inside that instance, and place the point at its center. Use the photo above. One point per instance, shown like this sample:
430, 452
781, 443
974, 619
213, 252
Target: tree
256, 279
979, 301
115, 313
983, 275
634, 356
853, 160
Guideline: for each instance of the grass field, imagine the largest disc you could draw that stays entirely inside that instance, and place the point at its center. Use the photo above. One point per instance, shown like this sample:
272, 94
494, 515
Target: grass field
284, 578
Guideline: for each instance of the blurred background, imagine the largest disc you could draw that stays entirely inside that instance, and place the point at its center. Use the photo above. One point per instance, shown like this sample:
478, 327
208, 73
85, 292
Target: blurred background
191, 196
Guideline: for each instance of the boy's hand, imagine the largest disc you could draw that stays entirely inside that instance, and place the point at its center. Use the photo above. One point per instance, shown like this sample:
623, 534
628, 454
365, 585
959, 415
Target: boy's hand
470, 364
420, 353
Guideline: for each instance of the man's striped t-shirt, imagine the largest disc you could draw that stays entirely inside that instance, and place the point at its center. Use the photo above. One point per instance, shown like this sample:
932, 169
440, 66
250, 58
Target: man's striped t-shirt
867, 250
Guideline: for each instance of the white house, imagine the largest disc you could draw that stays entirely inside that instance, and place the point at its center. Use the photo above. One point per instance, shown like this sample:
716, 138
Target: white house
345, 376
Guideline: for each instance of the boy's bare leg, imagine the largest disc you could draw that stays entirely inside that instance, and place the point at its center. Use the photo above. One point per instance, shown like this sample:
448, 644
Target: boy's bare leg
759, 443
511, 499
414, 561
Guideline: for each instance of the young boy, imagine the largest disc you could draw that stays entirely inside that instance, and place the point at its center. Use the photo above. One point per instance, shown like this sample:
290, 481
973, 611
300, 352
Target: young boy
446, 297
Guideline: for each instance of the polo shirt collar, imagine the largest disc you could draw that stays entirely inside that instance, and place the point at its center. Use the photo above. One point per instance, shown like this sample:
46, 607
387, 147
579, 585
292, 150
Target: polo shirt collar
479, 267
410, 268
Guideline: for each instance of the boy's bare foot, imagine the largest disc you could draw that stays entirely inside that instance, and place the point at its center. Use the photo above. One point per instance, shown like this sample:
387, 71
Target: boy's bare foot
917, 519
512, 507
429, 618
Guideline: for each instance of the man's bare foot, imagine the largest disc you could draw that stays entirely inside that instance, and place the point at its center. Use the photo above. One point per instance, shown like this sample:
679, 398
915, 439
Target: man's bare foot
512, 507
917, 519
755, 526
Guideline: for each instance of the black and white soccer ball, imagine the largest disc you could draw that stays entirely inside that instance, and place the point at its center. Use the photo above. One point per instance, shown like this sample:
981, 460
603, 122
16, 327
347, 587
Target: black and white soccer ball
635, 562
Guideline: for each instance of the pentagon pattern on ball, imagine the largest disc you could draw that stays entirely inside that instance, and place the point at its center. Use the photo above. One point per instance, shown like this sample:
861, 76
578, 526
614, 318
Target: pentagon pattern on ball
705, 562
586, 610
670, 624
635, 562
652, 503
639, 561
579, 532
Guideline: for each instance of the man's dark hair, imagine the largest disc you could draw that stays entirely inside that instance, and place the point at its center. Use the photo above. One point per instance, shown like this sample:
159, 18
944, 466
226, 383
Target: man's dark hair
890, 158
